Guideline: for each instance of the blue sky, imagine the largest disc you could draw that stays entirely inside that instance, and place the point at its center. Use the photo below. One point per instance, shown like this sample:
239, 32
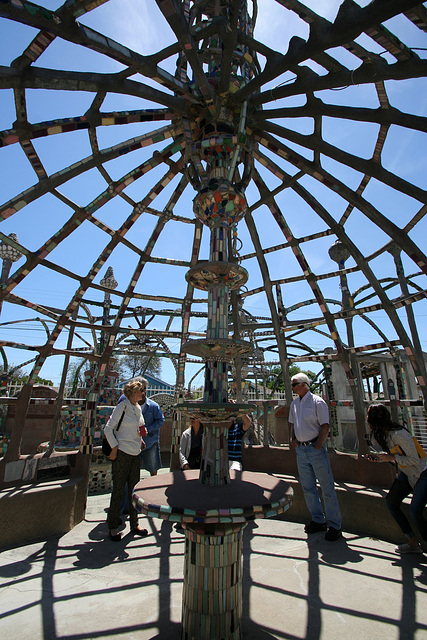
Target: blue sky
140, 26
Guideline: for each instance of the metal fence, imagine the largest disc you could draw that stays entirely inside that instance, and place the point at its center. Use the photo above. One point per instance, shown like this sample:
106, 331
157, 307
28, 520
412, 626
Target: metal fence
420, 430
14, 389
260, 395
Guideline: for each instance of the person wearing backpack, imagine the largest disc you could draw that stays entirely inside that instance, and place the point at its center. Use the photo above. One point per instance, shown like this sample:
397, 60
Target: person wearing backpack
400, 447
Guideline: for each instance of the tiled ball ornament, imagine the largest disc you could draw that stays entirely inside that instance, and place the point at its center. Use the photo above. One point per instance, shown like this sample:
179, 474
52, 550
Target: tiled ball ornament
221, 206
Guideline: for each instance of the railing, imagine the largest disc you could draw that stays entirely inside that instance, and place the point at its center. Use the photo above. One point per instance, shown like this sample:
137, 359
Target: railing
264, 421
14, 389
151, 391
260, 395
420, 430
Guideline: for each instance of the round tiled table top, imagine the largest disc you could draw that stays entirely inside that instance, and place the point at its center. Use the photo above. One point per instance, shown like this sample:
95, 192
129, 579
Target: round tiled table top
179, 496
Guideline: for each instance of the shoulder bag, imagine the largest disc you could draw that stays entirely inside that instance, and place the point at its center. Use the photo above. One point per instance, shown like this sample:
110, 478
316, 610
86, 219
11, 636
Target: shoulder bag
106, 448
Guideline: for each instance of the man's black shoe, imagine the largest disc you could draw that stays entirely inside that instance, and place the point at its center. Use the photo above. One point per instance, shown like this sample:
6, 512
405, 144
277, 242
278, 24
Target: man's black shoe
313, 527
333, 534
139, 532
116, 537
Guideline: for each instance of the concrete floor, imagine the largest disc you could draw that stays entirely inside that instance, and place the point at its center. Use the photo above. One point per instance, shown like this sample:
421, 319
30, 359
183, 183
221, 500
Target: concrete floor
83, 586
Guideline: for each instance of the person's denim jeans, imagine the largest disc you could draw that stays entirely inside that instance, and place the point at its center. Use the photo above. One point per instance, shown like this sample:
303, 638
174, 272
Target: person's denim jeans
398, 492
151, 459
314, 464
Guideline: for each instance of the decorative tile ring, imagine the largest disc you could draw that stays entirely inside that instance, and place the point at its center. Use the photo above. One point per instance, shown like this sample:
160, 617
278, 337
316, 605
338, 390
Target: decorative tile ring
206, 274
179, 497
214, 413
217, 349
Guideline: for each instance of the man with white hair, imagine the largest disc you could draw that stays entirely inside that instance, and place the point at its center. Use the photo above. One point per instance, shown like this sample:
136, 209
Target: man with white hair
309, 418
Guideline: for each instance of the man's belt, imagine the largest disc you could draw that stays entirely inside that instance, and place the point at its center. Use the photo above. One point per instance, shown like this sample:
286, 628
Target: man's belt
307, 442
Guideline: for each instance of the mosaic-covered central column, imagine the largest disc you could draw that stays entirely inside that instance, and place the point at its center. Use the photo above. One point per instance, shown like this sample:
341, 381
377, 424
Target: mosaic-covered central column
219, 168
220, 209
215, 613
216, 381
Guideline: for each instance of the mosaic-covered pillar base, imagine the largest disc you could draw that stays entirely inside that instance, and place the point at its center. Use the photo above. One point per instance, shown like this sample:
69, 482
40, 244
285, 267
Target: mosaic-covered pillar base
214, 465
212, 592
216, 382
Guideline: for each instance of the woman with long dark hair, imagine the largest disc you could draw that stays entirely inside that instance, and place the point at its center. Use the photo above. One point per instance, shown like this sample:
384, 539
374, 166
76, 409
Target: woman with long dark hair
400, 447
190, 448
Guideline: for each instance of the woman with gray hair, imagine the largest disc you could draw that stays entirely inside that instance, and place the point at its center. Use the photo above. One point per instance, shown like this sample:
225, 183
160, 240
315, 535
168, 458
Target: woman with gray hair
126, 443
